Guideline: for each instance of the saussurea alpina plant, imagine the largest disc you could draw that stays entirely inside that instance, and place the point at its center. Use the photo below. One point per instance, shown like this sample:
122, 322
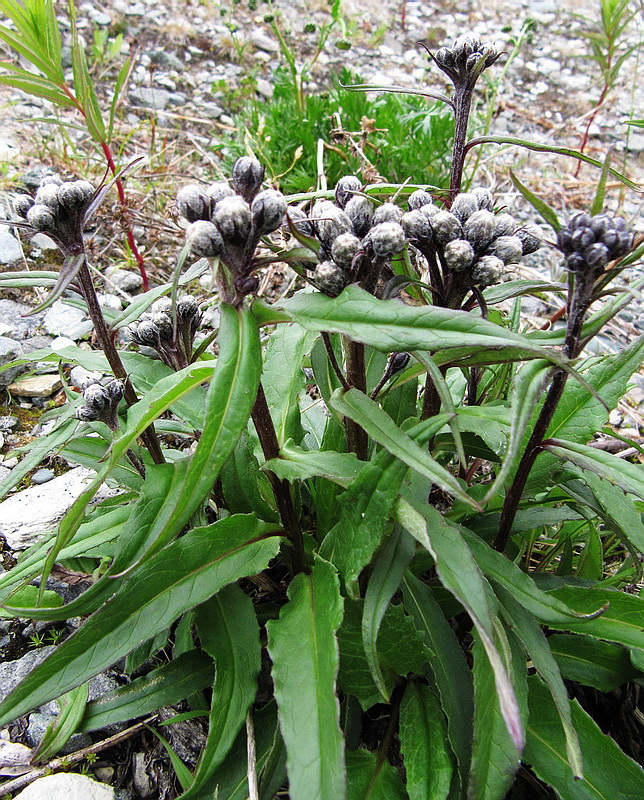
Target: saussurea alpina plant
379, 550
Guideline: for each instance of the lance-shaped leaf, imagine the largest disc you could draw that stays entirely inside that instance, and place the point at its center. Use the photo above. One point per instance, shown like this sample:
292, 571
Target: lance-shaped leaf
391, 326
379, 425
229, 632
506, 291
372, 778
68, 271
461, 576
294, 463
62, 728
304, 651
603, 665
537, 203
168, 684
608, 773
424, 744
186, 573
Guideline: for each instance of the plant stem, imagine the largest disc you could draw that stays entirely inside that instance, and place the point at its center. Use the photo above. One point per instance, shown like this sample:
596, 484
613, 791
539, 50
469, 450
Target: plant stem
334, 361
111, 353
357, 440
462, 105
263, 422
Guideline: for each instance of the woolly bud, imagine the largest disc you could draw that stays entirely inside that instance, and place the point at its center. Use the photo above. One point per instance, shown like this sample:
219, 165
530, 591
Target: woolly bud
204, 239
387, 239
345, 189
299, 220
419, 198
530, 241
597, 255
268, 209
96, 397
344, 249
21, 204
75, 195
508, 248
387, 212
51, 180
479, 229
416, 226
86, 414
115, 390
42, 218
193, 203
504, 225
146, 332
487, 271
459, 255
446, 227
445, 59
161, 306
464, 206
329, 278
360, 212
330, 221
217, 191
187, 307
248, 175
484, 198
233, 218
48, 196
163, 324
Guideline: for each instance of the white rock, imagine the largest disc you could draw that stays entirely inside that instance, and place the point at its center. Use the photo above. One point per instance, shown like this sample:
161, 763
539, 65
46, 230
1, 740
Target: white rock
36, 386
25, 516
66, 786
64, 320
10, 248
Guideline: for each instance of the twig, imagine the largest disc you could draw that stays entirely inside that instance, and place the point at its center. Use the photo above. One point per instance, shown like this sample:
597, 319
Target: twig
253, 787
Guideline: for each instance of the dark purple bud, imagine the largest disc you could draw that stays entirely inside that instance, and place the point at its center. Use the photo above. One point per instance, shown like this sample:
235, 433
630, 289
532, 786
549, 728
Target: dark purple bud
479, 229
233, 218
75, 195
345, 188
115, 390
299, 220
217, 191
596, 255
248, 175
344, 249
145, 333
96, 397
360, 212
193, 203
187, 307
398, 362
204, 239
268, 209
530, 241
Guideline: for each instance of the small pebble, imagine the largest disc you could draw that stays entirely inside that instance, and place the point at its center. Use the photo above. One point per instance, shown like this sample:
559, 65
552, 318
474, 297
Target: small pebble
8, 423
42, 476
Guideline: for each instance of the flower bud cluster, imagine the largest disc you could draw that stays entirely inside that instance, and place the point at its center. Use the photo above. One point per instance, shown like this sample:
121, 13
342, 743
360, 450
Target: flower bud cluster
468, 57
469, 239
100, 403
590, 243
58, 210
170, 334
357, 237
228, 220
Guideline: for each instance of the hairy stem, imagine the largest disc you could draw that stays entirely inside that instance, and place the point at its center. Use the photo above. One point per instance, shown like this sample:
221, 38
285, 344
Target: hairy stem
263, 422
462, 105
357, 439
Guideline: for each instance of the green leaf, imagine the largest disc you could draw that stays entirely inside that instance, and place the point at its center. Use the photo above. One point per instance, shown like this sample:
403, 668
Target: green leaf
449, 669
537, 203
184, 574
388, 570
391, 326
62, 728
28, 596
600, 191
294, 463
242, 482
461, 576
354, 675
68, 271
603, 665
608, 773
184, 776
229, 632
506, 291
168, 684
424, 744
372, 778
580, 414
304, 678
379, 425
495, 758
538, 649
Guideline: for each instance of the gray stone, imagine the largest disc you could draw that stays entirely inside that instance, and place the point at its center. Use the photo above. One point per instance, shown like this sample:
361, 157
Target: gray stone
110, 301
10, 350
264, 42
124, 279
265, 88
10, 249
144, 97
64, 320
99, 17
210, 110
43, 242
166, 60
12, 672
37, 728
19, 326
4, 471
35, 386
41, 476
66, 786
26, 515
177, 99
9, 423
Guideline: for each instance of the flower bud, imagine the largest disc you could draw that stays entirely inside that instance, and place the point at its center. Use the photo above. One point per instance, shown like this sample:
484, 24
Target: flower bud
399, 361
268, 209
387, 239
21, 205
530, 241
344, 249
464, 206
416, 226
75, 195
51, 180
299, 220
387, 212
597, 255
484, 198
459, 255
233, 218
479, 229
329, 278
445, 59
204, 239
193, 203
446, 227
487, 271
161, 306
48, 196
115, 390
86, 414
360, 211
145, 333
345, 189
419, 198
504, 225
217, 191
248, 175
187, 307
581, 238
42, 218
163, 324
330, 221
96, 397
508, 248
